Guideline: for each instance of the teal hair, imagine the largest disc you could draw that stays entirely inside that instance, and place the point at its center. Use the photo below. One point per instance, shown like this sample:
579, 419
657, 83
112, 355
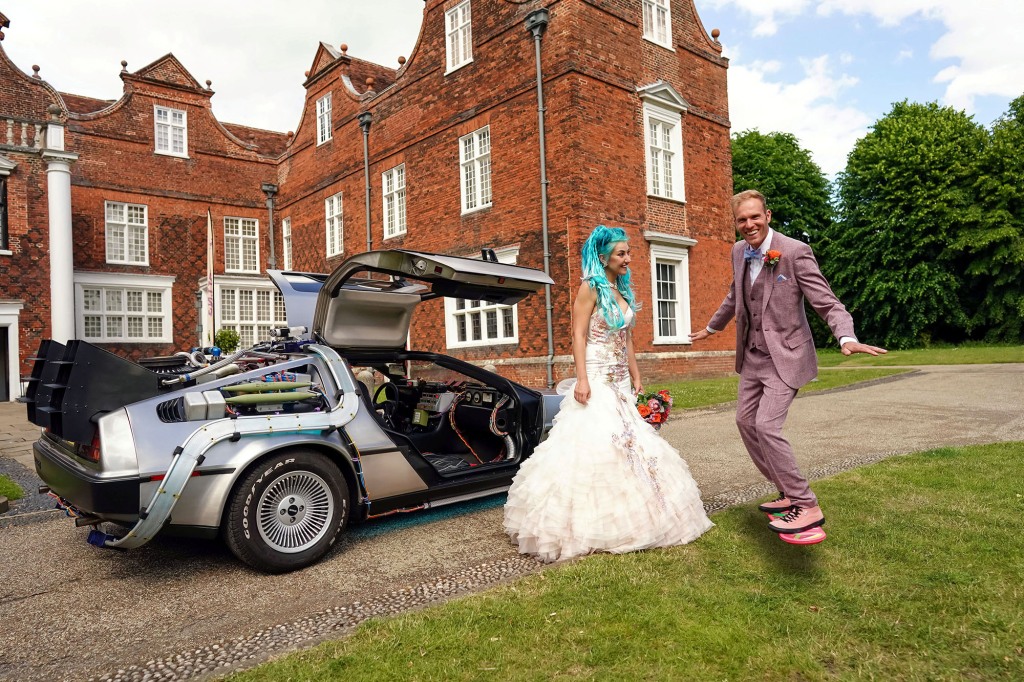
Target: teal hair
600, 243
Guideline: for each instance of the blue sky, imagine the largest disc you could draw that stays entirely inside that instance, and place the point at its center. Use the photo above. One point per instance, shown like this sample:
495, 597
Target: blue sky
823, 70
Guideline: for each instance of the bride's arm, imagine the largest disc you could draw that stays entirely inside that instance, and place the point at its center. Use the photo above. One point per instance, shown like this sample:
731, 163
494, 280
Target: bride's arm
634, 370
582, 309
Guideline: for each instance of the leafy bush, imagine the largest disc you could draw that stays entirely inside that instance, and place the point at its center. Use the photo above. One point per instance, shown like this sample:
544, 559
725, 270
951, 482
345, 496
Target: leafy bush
227, 340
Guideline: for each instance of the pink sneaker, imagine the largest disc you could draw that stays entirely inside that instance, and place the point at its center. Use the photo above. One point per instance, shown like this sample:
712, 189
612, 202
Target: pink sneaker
782, 504
798, 520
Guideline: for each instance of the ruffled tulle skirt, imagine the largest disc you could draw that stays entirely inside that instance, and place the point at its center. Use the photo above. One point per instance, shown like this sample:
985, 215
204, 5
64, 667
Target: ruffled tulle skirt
603, 481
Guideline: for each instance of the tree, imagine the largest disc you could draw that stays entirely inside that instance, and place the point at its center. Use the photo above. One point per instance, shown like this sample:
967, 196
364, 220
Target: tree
906, 198
797, 190
996, 246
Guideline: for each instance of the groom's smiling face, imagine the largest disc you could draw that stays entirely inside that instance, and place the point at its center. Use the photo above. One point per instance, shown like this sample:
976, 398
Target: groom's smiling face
752, 220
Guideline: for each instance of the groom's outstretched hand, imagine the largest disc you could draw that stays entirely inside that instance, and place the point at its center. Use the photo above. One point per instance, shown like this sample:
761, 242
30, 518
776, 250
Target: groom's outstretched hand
851, 347
699, 335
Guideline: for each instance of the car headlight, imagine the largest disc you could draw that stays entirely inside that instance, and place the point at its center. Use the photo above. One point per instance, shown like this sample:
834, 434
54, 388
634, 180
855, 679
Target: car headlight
117, 446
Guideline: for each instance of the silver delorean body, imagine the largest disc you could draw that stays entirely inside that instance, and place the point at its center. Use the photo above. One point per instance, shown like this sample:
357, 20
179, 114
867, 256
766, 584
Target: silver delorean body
276, 448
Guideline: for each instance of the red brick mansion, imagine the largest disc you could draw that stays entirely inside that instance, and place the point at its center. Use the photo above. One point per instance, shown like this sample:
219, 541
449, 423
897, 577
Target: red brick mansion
104, 204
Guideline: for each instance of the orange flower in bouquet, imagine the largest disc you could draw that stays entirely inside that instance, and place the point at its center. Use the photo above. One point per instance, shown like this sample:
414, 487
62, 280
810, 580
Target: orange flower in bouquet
655, 407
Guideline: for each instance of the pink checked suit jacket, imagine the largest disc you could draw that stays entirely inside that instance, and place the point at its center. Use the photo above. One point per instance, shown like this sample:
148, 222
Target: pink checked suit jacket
785, 327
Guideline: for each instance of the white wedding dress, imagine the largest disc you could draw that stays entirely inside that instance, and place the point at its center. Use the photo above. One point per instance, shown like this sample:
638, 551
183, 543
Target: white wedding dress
604, 480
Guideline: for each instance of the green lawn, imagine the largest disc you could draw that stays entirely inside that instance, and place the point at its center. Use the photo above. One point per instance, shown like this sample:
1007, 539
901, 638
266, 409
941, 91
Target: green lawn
705, 392
971, 354
10, 489
919, 579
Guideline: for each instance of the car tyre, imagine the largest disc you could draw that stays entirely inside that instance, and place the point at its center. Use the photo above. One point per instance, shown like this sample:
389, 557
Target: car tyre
287, 512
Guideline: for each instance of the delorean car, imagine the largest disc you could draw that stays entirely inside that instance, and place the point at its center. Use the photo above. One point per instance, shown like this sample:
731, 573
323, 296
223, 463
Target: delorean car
277, 447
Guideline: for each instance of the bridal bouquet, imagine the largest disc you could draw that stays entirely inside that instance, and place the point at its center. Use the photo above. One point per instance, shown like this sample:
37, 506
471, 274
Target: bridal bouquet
654, 407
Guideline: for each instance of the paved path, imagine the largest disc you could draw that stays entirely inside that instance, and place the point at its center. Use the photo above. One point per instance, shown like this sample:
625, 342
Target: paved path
176, 609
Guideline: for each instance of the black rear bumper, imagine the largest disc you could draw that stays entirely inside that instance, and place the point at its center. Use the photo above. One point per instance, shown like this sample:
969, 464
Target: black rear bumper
104, 497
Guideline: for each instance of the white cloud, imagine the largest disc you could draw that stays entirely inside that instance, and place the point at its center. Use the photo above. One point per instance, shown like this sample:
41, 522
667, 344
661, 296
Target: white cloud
904, 54
255, 52
810, 108
982, 38
768, 13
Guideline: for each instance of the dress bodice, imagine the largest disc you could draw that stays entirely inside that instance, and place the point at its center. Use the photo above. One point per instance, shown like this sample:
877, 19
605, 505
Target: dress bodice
606, 349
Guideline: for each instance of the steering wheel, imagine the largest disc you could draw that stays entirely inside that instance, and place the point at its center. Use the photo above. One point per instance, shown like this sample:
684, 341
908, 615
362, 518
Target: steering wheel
391, 403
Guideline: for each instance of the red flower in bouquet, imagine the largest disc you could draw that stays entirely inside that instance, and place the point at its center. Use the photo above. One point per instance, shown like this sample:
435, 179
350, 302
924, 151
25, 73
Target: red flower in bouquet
654, 408
772, 258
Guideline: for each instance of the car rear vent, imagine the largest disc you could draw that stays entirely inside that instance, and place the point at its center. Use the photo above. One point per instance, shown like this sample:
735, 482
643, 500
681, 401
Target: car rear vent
171, 411
167, 364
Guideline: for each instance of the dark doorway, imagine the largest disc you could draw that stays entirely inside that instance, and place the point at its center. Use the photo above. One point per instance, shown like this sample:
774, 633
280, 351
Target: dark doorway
5, 375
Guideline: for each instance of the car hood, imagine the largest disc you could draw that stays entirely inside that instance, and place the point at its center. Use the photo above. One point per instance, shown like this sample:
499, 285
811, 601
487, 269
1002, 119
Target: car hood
346, 311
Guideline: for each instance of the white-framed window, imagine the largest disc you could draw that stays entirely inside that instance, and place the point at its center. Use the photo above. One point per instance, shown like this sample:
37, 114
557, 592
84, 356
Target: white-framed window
475, 168
323, 119
286, 243
670, 286
114, 307
127, 233
393, 182
459, 36
334, 220
171, 131
249, 308
471, 323
241, 245
663, 110
658, 22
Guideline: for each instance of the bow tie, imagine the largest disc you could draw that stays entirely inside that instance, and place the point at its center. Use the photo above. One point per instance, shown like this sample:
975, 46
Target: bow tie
750, 254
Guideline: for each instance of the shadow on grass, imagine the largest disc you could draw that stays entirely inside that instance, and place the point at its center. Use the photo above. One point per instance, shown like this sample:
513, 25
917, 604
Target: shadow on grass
796, 561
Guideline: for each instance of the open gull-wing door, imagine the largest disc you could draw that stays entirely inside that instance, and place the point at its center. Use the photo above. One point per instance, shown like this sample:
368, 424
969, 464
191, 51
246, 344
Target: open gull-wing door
354, 313
299, 290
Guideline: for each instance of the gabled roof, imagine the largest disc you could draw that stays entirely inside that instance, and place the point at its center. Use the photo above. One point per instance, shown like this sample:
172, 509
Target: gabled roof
663, 95
168, 70
324, 57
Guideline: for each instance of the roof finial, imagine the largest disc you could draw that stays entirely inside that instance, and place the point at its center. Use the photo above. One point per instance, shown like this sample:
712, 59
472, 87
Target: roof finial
208, 83
401, 61
35, 71
715, 33
124, 66
344, 48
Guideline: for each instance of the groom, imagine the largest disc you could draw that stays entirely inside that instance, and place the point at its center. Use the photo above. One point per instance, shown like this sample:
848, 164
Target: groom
775, 356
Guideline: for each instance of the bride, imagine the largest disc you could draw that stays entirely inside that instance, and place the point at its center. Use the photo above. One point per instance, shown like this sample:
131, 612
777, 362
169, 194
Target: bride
604, 480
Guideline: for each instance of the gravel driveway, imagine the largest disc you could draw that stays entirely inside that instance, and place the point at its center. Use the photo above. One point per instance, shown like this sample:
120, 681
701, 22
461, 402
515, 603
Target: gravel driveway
178, 609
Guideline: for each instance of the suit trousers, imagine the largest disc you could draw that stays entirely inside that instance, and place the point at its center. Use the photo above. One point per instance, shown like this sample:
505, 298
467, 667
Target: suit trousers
763, 404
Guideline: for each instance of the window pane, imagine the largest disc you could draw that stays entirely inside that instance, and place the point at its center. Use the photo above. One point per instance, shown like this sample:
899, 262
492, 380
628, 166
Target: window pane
114, 329
509, 330
492, 324
135, 327
113, 301
475, 319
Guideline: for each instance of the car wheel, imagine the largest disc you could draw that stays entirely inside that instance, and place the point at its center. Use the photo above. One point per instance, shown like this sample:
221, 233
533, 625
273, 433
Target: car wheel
287, 512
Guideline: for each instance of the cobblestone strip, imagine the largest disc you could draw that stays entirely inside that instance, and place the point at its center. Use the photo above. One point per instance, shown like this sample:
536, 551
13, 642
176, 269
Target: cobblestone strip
223, 657
219, 659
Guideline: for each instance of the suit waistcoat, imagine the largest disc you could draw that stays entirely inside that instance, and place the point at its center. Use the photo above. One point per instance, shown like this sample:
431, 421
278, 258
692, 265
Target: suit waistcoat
754, 298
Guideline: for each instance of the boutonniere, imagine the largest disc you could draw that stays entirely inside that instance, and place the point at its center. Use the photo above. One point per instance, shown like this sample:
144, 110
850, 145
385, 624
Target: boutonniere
772, 258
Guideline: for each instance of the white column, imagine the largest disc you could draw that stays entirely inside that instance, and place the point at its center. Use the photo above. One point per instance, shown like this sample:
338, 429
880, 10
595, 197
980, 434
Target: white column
62, 269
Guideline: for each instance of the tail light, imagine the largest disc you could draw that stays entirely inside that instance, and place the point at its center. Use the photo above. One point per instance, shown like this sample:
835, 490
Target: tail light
91, 451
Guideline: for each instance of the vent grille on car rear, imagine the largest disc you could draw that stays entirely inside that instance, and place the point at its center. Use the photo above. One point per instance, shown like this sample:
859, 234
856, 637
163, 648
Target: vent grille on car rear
171, 411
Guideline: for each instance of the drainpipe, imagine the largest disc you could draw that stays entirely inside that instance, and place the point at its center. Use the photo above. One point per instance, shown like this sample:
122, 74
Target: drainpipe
365, 119
270, 190
537, 23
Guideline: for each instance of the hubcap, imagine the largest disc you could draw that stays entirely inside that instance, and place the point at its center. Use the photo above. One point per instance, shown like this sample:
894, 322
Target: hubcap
293, 513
